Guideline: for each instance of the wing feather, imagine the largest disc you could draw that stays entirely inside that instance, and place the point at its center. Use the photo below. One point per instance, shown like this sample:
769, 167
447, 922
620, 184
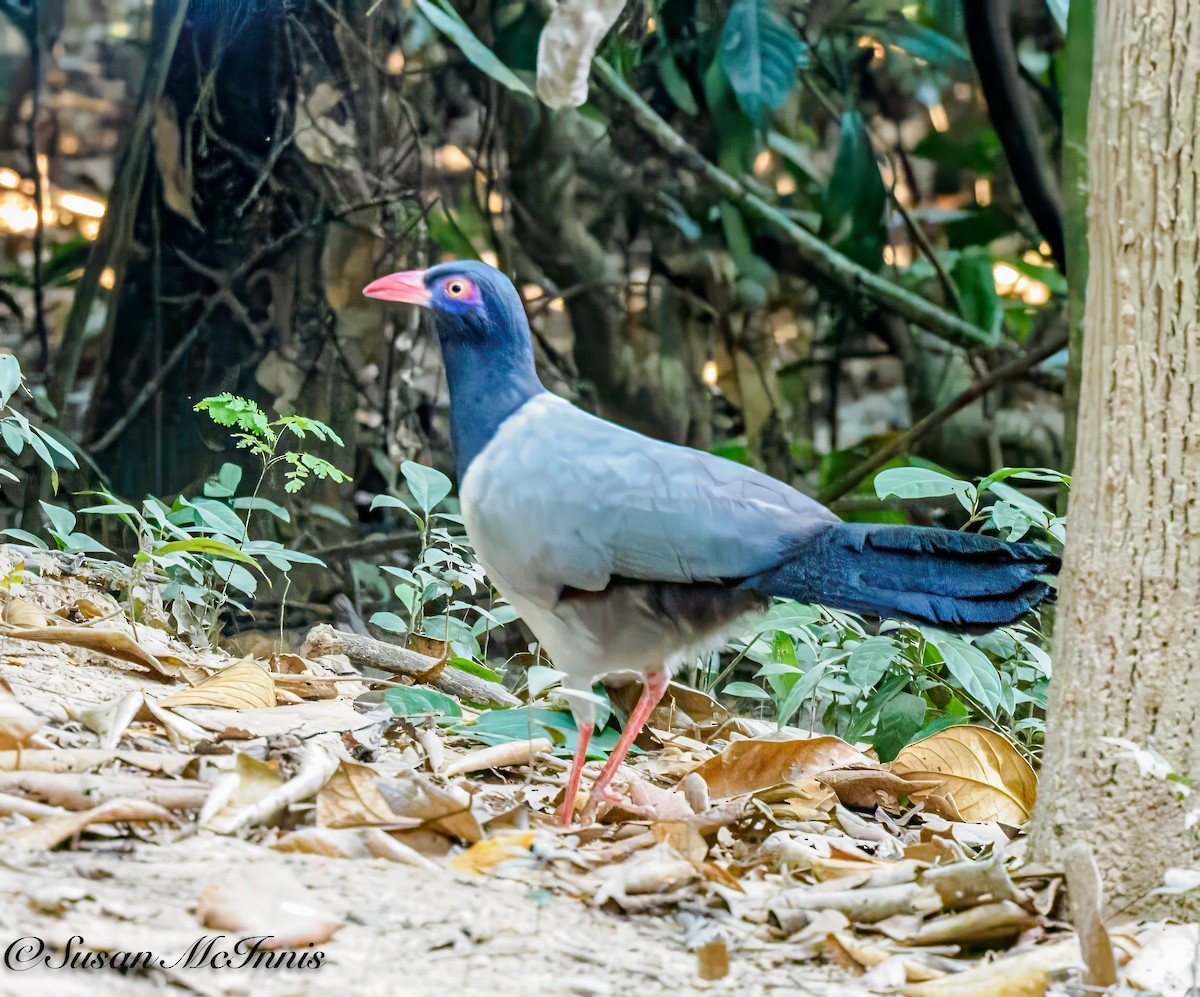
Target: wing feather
560, 498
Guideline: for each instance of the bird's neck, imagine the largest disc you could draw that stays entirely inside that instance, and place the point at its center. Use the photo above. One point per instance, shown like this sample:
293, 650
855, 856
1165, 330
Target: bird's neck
488, 382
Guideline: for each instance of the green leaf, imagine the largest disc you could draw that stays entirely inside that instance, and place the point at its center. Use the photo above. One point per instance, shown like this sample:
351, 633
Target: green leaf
783, 615
389, 622
448, 22
257, 503
428, 485
228, 409
539, 678
524, 722
406, 701
61, 520
1025, 474
870, 660
224, 483
206, 546
1012, 521
926, 43
113, 509
26, 538
328, 512
745, 690
391, 502
10, 377
941, 723
761, 54
675, 83
921, 482
970, 668
971, 273
852, 212
16, 435
899, 720
475, 668
800, 692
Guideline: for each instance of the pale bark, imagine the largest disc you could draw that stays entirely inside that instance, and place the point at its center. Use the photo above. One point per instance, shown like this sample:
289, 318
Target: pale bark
1128, 630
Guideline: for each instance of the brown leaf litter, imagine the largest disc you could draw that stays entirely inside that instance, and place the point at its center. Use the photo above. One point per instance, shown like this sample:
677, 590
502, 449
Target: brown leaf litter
188, 790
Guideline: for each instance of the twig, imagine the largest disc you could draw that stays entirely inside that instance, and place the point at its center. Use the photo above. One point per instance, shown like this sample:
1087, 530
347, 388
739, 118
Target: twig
825, 260
1005, 372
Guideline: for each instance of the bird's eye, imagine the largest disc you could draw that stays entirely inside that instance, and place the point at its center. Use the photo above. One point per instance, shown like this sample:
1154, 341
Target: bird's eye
456, 288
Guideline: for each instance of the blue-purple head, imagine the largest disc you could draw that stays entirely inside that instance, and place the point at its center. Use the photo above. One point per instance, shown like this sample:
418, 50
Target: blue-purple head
467, 298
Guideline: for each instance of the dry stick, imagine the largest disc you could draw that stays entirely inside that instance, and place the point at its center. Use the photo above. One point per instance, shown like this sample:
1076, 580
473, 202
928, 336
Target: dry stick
323, 639
116, 231
824, 259
1005, 372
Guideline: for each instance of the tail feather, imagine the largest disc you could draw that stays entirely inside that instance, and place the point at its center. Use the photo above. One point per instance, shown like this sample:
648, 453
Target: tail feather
954, 580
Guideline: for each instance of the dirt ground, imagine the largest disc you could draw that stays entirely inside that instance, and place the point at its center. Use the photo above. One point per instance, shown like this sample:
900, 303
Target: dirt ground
408, 931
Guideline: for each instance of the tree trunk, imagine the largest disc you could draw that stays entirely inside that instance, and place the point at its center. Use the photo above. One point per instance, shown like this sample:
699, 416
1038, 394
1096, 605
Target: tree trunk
1128, 632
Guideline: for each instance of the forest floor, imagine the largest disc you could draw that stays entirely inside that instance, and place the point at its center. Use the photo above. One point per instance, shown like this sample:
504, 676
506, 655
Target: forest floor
156, 798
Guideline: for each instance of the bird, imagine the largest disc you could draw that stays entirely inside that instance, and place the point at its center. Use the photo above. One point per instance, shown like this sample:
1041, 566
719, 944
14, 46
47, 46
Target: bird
626, 554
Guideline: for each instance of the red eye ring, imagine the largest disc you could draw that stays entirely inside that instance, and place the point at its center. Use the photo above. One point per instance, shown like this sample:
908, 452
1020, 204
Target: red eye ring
457, 288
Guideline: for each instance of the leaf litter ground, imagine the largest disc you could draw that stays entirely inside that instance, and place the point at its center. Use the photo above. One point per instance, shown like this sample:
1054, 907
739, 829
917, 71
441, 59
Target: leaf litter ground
151, 793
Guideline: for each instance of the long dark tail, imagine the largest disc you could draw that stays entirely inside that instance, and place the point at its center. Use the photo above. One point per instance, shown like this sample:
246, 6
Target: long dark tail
958, 581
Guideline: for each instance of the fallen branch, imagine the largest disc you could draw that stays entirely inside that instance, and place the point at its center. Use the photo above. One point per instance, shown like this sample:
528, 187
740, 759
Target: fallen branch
1005, 372
323, 639
826, 260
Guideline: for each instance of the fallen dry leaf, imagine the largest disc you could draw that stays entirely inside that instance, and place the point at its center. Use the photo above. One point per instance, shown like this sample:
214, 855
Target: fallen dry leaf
1017, 975
17, 723
712, 960
981, 777
265, 900
114, 643
303, 720
359, 796
298, 676
52, 831
81, 790
244, 685
658, 870
754, 764
87, 759
993, 980
868, 788
111, 719
483, 856
244, 785
351, 843
22, 613
1167, 962
351, 799
172, 167
995, 923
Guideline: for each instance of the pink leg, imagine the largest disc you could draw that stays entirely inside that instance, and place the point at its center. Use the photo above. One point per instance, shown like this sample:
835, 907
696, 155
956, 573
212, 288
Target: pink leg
653, 687
568, 808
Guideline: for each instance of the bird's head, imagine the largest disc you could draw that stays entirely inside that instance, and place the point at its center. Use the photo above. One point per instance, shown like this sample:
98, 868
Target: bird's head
468, 299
